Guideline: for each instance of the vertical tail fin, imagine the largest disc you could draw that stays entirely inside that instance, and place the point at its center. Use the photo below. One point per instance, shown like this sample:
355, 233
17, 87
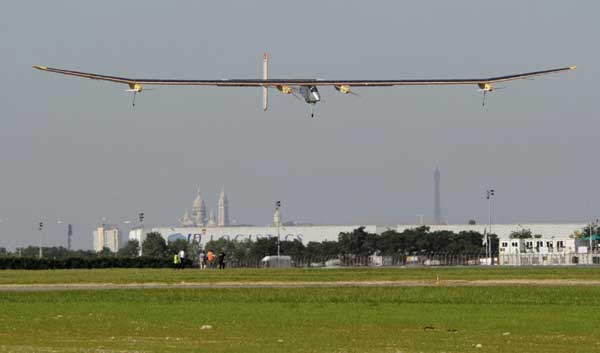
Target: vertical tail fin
265, 90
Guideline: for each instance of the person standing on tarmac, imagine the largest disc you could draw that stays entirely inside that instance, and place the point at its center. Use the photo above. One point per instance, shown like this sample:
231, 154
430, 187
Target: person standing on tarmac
182, 259
201, 260
211, 259
222, 260
176, 261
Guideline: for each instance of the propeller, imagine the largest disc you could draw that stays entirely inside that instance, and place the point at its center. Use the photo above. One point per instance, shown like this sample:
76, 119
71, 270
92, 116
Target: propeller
136, 91
292, 90
345, 89
297, 95
486, 90
134, 95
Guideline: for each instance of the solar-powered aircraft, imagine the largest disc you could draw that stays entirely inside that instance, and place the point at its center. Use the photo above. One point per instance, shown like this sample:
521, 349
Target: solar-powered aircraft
304, 89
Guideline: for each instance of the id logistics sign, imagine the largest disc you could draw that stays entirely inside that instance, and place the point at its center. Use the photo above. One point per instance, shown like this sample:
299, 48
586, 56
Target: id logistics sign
305, 234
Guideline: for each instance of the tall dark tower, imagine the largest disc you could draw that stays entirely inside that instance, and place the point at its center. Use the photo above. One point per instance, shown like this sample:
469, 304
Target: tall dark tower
437, 211
69, 236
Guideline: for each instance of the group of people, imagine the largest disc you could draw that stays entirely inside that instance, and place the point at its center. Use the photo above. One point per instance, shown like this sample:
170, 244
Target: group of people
179, 260
210, 259
205, 260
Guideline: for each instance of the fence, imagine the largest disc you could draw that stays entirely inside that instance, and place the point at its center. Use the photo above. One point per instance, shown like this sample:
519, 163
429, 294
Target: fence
370, 261
549, 259
520, 259
476, 259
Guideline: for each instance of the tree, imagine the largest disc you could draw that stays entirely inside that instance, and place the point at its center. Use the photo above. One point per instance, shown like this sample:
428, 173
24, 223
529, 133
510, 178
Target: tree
521, 234
30, 251
585, 232
416, 241
263, 247
154, 245
391, 242
194, 249
325, 249
472, 222
495, 243
84, 254
358, 243
131, 249
105, 252
237, 252
576, 234
293, 248
57, 252
177, 245
225, 245
470, 242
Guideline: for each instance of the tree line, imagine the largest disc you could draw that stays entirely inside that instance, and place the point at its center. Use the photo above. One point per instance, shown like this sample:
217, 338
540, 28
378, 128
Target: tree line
358, 243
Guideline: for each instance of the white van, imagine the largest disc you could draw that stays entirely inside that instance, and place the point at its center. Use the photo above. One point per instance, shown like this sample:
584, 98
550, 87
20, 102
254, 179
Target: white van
282, 261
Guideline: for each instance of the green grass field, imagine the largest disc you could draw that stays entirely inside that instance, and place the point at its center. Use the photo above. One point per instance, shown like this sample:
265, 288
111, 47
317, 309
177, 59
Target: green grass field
438, 319
347, 274
347, 319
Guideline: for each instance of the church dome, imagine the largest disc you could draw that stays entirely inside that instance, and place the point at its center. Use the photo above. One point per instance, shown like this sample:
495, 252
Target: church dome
198, 202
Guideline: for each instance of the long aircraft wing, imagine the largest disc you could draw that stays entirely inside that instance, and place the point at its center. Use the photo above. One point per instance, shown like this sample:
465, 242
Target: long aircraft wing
300, 82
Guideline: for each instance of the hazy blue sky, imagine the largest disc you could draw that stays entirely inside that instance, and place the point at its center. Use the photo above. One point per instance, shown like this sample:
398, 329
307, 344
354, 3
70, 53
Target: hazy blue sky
75, 150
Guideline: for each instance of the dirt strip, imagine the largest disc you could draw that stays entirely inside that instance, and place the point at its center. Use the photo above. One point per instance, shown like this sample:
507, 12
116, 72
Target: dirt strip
300, 284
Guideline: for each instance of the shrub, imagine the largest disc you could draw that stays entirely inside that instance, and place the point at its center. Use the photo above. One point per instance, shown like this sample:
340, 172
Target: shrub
33, 263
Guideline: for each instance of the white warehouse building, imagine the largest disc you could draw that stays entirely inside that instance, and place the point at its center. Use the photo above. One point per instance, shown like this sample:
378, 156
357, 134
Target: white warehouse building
203, 226
305, 234
554, 237
504, 230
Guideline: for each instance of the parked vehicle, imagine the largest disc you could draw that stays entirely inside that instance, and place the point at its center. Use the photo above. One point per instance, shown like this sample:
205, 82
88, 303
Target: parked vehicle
273, 261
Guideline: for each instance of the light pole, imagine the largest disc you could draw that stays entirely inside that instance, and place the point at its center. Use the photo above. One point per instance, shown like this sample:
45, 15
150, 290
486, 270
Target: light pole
489, 195
69, 233
277, 210
40, 227
592, 226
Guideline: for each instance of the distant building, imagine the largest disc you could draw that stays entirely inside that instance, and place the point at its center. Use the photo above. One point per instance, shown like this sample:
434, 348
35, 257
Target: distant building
211, 219
223, 215
186, 221
107, 236
199, 210
503, 231
198, 217
554, 247
139, 234
551, 243
305, 234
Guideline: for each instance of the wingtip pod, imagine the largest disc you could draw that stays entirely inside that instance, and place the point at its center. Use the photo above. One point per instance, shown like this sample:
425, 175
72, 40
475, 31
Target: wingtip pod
572, 67
40, 67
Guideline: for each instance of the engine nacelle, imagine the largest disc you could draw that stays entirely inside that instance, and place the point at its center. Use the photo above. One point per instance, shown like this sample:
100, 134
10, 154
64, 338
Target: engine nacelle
135, 87
485, 87
345, 89
285, 89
